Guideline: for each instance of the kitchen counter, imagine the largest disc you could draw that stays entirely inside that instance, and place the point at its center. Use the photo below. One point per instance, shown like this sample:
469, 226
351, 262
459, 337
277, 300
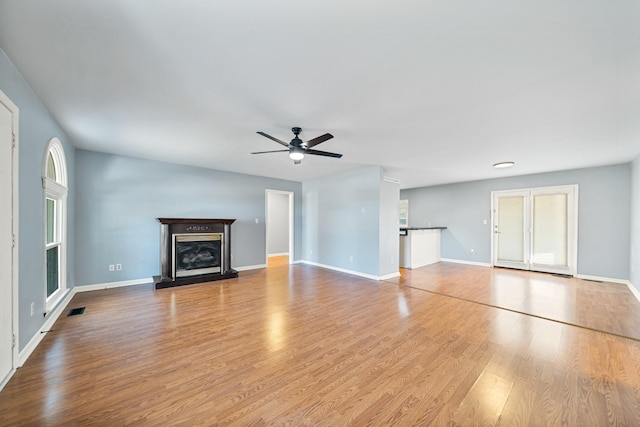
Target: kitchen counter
419, 246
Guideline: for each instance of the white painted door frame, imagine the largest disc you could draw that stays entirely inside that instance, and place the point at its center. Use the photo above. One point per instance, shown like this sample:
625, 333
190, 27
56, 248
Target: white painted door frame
13, 109
291, 227
572, 228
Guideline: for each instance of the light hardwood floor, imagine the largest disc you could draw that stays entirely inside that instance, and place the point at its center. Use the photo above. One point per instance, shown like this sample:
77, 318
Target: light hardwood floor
301, 345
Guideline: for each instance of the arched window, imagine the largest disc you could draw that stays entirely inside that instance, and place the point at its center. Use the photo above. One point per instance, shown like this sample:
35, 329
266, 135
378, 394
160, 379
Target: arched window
54, 182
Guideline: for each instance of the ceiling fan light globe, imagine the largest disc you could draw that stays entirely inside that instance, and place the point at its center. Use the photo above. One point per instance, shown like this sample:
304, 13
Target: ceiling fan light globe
296, 155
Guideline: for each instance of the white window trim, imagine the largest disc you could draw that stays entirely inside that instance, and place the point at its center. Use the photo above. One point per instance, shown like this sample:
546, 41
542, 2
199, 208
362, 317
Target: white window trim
56, 190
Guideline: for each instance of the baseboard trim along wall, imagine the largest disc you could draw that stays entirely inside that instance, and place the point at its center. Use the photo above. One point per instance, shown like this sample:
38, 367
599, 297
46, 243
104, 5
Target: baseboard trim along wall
355, 273
51, 318
279, 254
602, 279
633, 290
109, 285
460, 261
250, 267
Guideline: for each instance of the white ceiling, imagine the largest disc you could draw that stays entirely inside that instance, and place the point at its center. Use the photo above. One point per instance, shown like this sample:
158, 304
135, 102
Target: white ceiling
435, 91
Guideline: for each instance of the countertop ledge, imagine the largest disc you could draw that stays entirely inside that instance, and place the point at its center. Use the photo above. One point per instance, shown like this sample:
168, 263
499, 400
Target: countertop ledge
423, 228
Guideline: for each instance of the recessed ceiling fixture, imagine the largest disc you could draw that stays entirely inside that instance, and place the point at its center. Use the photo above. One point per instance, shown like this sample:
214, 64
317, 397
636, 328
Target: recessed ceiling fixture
503, 165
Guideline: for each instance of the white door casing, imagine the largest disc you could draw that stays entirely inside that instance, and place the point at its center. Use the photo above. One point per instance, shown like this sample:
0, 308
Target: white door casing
536, 229
8, 238
290, 195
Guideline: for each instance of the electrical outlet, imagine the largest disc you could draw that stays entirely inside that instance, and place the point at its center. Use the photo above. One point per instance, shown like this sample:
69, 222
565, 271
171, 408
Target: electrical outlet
310, 251
484, 221
351, 258
33, 308
473, 251
118, 267
112, 267
257, 221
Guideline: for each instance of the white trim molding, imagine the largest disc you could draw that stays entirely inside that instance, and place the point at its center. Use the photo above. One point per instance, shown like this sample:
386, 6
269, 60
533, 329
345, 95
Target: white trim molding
15, 230
601, 279
48, 324
250, 267
632, 288
634, 291
60, 308
460, 261
109, 285
355, 273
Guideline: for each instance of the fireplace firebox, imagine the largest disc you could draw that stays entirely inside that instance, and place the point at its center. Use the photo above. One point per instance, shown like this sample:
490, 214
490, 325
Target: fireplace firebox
194, 251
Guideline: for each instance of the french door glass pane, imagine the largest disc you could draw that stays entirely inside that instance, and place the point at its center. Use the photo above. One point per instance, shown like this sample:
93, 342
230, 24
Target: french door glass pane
52, 270
511, 228
51, 220
550, 229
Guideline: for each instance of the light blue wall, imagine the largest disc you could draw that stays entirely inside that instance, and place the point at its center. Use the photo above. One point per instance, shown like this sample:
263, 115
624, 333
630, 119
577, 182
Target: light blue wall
278, 223
36, 128
634, 253
603, 223
119, 199
341, 219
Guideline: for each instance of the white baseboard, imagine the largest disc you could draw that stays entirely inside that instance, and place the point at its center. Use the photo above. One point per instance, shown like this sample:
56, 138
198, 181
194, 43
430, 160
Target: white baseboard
459, 261
250, 267
280, 254
389, 276
51, 318
601, 279
355, 273
7, 378
634, 291
109, 285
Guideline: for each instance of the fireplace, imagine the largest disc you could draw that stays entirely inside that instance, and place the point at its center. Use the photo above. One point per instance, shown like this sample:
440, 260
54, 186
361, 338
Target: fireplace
194, 251
195, 254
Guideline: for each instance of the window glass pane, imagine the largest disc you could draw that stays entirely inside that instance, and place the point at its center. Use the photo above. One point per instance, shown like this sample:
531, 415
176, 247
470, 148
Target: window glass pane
550, 229
511, 229
51, 220
52, 270
51, 168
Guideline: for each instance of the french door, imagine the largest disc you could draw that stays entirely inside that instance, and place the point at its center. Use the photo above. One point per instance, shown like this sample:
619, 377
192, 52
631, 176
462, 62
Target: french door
536, 229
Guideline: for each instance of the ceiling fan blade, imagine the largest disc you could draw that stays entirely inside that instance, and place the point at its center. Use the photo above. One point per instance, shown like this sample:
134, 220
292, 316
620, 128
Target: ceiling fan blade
273, 151
273, 139
323, 153
315, 141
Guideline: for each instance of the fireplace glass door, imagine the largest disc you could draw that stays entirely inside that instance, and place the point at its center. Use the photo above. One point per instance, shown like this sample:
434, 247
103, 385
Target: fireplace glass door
195, 254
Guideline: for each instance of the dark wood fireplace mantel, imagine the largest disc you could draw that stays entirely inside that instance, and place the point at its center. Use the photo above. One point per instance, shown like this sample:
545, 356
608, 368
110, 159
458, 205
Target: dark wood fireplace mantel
185, 226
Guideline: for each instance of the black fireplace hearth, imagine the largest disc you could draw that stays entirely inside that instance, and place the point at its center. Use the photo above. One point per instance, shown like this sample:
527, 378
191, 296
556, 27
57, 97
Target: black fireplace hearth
194, 251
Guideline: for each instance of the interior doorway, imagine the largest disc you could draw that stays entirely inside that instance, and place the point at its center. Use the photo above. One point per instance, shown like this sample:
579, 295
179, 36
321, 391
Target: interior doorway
279, 227
536, 229
8, 238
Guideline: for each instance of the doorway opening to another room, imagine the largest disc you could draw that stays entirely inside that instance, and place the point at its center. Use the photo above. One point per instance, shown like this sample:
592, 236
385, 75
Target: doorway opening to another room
279, 227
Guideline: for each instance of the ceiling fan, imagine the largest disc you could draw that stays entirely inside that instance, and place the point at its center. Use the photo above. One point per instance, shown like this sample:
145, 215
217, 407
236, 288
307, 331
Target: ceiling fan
297, 148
